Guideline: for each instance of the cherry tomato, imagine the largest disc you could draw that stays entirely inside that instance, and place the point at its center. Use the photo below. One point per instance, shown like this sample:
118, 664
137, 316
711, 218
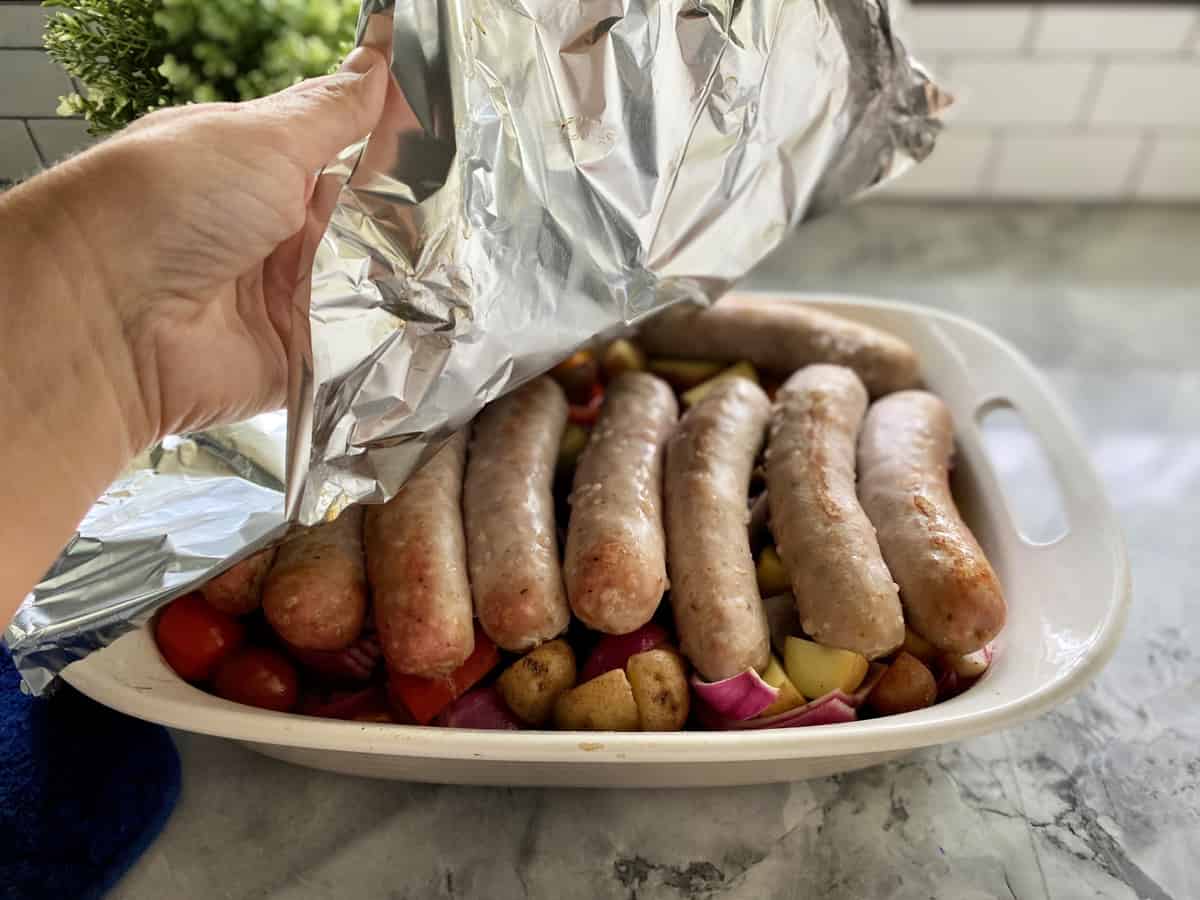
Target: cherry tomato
578, 374
258, 677
586, 414
194, 638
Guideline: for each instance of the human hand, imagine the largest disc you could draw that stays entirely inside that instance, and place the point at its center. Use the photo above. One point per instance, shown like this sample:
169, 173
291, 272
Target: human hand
195, 219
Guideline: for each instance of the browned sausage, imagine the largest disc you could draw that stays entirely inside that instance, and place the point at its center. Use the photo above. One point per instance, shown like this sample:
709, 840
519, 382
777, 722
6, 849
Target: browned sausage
508, 511
844, 592
714, 590
615, 568
315, 595
417, 566
951, 596
238, 590
781, 336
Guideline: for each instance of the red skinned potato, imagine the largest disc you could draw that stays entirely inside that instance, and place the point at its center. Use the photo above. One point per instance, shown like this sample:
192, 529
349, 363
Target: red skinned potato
906, 686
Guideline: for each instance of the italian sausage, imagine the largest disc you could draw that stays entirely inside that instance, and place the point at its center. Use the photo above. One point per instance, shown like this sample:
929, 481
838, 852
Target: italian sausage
615, 567
508, 510
780, 336
315, 595
417, 567
844, 592
951, 596
238, 590
714, 590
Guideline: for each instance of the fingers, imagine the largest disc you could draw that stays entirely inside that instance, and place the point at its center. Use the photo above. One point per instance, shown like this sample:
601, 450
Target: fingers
316, 119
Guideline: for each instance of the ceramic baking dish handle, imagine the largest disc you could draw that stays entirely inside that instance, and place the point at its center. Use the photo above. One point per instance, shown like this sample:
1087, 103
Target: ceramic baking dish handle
992, 374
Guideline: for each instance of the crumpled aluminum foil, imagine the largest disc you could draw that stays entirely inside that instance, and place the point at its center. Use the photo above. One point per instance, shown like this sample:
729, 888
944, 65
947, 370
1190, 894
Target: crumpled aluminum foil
544, 174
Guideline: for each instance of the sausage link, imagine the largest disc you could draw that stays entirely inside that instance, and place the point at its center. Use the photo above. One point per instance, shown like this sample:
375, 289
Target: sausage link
417, 566
781, 336
315, 596
714, 591
238, 590
843, 589
616, 569
951, 596
508, 506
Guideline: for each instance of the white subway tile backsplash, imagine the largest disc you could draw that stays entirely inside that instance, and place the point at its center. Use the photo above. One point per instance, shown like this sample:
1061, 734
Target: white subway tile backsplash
955, 169
956, 29
1018, 91
18, 158
1067, 165
1133, 28
1173, 170
59, 138
1150, 93
21, 24
32, 83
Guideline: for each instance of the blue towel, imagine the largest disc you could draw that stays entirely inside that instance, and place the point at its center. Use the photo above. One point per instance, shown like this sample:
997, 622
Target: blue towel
83, 792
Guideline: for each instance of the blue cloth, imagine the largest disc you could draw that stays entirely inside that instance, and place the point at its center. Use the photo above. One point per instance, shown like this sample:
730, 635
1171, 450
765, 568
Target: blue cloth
83, 792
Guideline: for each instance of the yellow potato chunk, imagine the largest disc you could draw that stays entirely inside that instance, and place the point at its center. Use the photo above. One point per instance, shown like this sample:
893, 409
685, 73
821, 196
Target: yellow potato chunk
574, 439
919, 647
699, 392
789, 697
605, 703
660, 688
816, 670
622, 356
682, 374
532, 685
772, 576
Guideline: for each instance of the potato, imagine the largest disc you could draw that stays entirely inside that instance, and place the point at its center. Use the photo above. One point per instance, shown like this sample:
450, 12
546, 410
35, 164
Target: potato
919, 647
772, 576
660, 689
682, 374
605, 703
700, 391
789, 697
816, 670
622, 356
532, 685
905, 686
574, 439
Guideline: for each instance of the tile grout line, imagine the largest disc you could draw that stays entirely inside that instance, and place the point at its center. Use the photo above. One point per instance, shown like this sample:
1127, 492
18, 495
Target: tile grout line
1032, 29
37, 148
1091, 94
985, 185
1139, 165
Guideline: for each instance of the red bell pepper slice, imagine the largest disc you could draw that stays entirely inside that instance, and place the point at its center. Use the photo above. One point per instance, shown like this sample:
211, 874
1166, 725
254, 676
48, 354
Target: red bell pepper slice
426, 697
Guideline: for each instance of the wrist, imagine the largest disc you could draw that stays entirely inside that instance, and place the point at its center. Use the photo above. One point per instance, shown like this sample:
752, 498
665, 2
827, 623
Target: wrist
70, 355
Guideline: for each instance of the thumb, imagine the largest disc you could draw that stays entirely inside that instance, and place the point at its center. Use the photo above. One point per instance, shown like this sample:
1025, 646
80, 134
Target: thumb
318, 118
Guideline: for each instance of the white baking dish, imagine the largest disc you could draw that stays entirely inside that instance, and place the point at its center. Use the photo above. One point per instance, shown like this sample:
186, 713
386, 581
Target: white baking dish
1067, 604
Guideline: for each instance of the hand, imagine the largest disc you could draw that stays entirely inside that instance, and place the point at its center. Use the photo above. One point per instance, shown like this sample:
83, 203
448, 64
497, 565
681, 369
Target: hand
146, 288
199, 241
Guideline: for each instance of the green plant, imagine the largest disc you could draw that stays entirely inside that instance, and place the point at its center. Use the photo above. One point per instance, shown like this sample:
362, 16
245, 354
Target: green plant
133, 56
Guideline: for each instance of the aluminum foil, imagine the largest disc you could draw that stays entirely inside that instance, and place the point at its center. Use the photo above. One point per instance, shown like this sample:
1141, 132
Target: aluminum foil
543, 174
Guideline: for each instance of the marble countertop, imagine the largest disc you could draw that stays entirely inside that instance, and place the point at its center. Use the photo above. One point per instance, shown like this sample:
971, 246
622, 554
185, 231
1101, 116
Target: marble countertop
1098, 799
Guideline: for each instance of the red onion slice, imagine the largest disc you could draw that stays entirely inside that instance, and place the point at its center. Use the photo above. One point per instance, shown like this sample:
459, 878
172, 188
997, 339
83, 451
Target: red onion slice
738, 697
